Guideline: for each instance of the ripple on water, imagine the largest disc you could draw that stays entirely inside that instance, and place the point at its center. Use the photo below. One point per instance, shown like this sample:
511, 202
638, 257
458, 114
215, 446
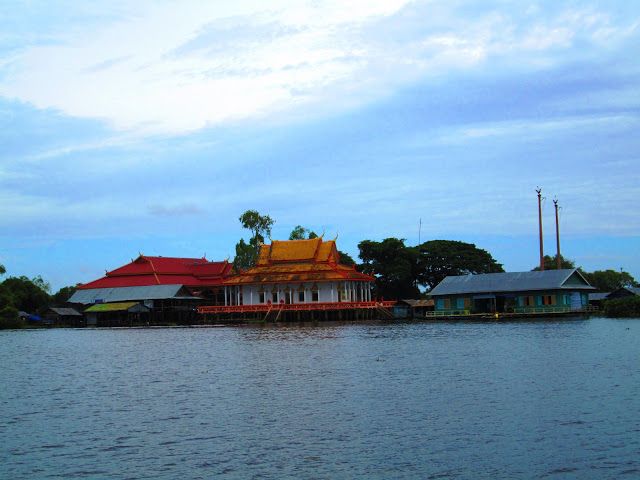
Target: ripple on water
546, 399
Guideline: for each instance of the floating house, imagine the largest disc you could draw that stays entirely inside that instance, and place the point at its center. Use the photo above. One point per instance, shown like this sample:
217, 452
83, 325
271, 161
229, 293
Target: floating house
64, 316
623, 292
117, 314
413, 308
170, 287
548, 291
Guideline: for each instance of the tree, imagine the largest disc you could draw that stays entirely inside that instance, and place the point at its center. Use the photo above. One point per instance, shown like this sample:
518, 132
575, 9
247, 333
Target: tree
245, 255
551, 264
301, 233
24, 294
9, 317
259, 225
63, 295
2, 269
609, 280
393, 264
298, 233
438, 259
345, 258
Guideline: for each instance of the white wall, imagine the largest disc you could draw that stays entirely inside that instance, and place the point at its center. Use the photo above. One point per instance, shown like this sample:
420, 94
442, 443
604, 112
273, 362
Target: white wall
327, 292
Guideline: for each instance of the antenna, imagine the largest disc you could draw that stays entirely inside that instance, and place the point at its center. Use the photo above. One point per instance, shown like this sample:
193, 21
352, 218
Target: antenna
558, 257
419, 230
539, 192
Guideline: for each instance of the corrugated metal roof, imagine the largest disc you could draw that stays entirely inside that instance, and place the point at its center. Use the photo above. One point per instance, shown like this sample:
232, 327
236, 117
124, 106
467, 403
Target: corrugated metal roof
598, 296
66, 312
418, 303
116, 307
123, 294
512, 282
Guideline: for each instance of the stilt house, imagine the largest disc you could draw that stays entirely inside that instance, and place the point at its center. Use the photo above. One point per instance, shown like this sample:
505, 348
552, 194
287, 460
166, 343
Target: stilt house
547, 291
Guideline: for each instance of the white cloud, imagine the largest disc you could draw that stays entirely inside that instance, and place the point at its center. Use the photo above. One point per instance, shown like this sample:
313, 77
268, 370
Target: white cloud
179, 67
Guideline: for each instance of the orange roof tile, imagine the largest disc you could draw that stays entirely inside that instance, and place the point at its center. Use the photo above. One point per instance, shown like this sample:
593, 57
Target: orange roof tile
298, 261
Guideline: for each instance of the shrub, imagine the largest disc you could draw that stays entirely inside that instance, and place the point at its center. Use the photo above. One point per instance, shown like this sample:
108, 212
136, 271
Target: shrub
9, 318
623, 307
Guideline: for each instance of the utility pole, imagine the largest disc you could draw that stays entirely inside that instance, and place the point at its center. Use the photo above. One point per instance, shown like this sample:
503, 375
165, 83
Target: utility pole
558, 257
419, 230
539, 192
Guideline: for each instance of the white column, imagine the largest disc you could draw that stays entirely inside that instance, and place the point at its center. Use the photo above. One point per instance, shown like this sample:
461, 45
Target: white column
225, 296
251, 296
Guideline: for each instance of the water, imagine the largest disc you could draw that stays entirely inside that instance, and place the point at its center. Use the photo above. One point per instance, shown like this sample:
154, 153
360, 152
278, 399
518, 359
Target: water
544, 399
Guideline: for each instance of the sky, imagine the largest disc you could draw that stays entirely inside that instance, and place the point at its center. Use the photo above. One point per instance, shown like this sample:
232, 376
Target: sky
149, 127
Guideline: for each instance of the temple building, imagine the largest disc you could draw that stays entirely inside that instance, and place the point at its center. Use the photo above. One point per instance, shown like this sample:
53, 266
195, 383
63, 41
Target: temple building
298, 272
171, 288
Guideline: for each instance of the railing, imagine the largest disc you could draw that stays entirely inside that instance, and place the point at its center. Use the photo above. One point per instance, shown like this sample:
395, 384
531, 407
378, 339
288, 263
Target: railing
556, 309
447, 313
294, 307
517, 310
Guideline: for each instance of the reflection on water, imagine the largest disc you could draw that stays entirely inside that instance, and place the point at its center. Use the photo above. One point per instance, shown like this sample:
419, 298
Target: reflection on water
536, 399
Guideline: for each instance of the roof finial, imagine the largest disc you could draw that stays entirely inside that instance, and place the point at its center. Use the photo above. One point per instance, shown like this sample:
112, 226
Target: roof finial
336, 237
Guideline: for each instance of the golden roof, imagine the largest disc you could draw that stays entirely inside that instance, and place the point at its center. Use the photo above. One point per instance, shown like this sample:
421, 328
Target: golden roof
298, 261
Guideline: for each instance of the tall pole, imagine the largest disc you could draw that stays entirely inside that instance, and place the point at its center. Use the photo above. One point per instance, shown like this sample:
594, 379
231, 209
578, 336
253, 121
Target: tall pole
539, 192
558, 257
419, 230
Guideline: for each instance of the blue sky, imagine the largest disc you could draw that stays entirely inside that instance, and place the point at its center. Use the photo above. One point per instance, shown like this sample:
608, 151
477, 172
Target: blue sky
130, 127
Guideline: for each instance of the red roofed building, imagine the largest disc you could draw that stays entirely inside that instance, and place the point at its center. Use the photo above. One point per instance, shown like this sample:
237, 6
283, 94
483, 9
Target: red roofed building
298, 271
156, 278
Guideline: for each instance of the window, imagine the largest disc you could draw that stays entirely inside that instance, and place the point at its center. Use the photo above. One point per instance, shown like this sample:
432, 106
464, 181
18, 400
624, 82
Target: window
301, 296
314, 295
274, 297
459, 303
262, 297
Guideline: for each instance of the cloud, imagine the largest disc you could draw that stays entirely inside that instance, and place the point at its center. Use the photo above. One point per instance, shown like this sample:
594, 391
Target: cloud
175, 210
178, 67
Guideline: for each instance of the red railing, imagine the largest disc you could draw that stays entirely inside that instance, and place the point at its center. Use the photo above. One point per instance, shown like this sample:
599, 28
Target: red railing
294, 307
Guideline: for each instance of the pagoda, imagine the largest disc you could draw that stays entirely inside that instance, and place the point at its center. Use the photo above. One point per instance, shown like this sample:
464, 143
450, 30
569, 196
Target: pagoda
298, 272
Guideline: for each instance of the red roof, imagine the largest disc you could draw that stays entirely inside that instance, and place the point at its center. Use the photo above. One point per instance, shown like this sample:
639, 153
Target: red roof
144, 271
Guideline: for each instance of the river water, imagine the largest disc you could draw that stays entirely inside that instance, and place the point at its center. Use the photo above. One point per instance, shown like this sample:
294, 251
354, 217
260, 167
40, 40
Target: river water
543, 399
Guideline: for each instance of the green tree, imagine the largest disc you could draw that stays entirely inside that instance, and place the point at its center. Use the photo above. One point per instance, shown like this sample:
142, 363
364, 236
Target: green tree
345, 258
438, 259
245, 255
609, 280
393, 264
2, 269
550, 263
298, 233
259, 226
301, 233
9, 317
623, 307
62, 296
24, 294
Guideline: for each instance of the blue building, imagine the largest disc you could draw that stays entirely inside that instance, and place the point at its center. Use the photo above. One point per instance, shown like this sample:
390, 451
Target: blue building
549, 291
